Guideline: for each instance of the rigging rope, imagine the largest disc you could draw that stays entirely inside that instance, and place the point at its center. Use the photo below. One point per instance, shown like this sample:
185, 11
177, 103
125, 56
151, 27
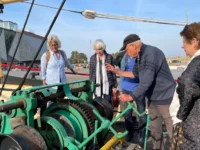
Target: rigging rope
93, 14
43, 41
30, 9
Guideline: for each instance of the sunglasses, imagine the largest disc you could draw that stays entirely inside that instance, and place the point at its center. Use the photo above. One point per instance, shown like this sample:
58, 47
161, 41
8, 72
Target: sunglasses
186, 28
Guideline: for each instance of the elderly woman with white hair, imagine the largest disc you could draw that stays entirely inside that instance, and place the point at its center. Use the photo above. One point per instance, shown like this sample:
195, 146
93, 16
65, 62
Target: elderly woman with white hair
53, 63
98, 73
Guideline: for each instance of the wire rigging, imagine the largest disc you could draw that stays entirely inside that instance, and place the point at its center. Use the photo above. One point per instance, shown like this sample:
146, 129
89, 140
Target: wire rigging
30, 9
92, 14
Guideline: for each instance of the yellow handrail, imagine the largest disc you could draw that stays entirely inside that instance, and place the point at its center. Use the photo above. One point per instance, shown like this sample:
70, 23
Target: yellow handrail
112, 141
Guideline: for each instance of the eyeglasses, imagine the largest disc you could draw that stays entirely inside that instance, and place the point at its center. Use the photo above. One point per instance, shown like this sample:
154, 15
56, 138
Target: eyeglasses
55, 45
98, 50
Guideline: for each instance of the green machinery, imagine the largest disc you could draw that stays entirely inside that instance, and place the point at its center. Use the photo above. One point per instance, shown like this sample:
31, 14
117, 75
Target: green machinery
74, 122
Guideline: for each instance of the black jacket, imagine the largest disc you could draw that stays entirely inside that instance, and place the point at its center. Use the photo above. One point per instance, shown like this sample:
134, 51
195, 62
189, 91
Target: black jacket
111, 76
189, 112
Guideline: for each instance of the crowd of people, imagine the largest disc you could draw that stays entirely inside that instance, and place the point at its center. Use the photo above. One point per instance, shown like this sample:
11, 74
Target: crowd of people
144, 75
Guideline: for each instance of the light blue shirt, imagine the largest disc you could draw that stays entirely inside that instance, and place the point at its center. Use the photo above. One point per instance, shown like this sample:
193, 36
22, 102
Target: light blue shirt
54, 72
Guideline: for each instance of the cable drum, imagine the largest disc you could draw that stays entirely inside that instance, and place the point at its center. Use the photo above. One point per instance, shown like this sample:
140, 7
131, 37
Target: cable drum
22, 138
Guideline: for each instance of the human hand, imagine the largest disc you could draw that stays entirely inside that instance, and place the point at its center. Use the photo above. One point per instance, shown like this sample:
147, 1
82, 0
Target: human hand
74, 72
44, 82
109, 67
114, 90
125, 98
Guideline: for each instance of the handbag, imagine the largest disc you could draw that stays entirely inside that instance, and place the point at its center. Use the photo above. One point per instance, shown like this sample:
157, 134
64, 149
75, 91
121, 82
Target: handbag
177, 138
115, 99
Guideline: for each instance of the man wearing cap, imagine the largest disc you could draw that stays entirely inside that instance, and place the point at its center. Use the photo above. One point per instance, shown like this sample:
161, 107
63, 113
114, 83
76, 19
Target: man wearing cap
155, 82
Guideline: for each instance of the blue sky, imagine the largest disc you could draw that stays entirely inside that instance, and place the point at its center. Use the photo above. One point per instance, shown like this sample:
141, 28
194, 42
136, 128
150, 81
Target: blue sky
76, 32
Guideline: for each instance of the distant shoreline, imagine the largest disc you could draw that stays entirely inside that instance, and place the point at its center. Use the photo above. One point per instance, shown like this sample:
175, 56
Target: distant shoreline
178, 67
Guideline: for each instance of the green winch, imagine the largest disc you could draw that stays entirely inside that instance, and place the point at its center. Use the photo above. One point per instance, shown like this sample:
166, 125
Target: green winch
73, 120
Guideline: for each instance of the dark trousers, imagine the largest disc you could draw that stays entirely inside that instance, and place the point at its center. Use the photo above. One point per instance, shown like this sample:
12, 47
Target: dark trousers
105, 96
132, 126
158, 114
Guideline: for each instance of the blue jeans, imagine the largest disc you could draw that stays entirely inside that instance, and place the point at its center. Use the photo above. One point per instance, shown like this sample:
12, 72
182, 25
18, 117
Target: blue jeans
131, 121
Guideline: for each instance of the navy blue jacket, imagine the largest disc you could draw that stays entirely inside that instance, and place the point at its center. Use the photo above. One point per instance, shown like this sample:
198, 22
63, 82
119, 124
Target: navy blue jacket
155, 78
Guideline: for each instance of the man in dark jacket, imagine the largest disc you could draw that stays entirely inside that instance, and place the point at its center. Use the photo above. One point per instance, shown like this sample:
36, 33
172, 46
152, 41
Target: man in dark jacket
155, 82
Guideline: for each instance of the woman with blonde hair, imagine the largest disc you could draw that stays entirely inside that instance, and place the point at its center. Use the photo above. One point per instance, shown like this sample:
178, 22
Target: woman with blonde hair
53, 63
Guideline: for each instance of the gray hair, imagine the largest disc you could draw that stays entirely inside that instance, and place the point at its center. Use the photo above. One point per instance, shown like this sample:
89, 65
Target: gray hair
99, 44
55, 39
138, 42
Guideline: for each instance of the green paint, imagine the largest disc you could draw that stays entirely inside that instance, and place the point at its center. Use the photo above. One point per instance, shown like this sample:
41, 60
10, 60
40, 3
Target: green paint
53, 130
